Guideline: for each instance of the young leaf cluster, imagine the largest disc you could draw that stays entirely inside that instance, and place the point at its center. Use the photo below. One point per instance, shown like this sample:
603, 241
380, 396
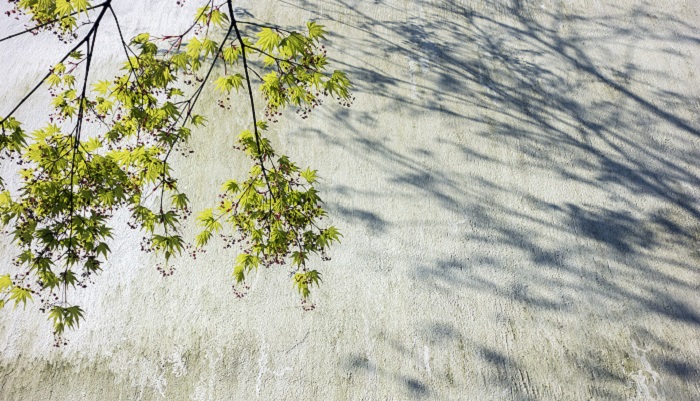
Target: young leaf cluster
298, 78
60, 15
107, 147
274, 215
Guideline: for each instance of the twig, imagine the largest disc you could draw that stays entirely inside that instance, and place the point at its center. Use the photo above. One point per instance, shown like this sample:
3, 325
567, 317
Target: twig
250, 94
76, 47
14, 35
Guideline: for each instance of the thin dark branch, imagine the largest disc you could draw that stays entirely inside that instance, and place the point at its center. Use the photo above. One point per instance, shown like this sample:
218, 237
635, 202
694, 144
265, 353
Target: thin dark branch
78, 130
76, 47
32, 29
250, 95
256, 73
190, 107
127, 49
278, 59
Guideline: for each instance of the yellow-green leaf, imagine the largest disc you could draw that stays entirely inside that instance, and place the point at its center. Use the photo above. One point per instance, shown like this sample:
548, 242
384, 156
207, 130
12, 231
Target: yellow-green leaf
268, 39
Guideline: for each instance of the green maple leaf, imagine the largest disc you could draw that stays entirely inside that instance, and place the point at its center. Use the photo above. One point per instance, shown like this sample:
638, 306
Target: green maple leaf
316, 31
268, 39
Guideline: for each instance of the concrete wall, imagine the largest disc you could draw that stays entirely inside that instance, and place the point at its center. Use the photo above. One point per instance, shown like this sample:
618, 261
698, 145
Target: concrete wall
517, 184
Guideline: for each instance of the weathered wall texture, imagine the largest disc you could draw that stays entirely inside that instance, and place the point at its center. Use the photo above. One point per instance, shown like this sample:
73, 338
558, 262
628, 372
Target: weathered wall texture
518, 187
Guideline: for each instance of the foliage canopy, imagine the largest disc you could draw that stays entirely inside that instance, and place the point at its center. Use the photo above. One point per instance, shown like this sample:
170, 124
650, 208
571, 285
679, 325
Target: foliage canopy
107, 146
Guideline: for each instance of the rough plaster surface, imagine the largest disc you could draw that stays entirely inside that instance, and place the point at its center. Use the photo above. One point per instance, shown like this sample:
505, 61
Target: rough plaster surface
517, 183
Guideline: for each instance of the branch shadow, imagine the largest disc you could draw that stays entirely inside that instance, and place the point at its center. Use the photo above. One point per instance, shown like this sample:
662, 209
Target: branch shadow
560, 150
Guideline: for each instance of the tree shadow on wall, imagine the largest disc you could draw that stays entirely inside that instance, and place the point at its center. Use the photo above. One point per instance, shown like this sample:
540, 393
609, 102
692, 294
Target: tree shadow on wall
579, 103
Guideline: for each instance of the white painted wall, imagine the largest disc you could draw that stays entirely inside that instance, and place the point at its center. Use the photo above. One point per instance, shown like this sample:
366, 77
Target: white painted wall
517, 183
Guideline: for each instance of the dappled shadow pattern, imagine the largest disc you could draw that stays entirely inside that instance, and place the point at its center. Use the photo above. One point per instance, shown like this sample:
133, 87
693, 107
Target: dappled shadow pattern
563, 147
